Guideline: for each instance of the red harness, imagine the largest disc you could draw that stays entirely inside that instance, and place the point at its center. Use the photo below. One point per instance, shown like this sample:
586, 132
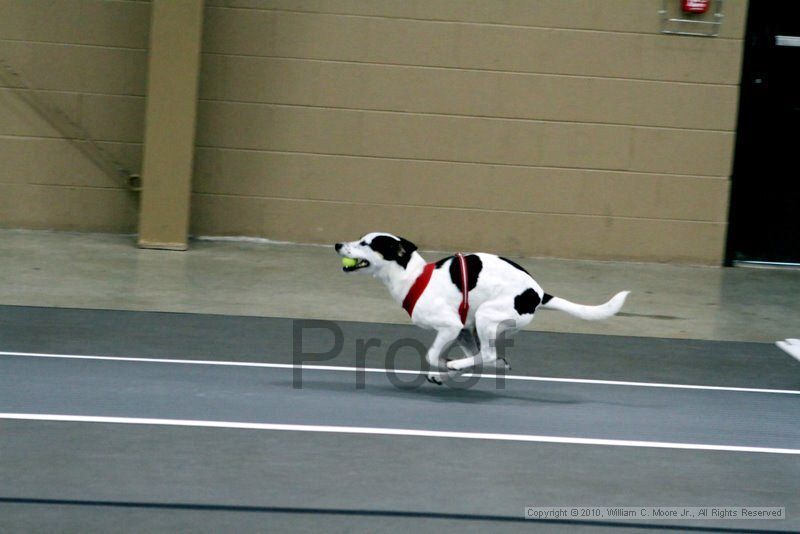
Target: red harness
419, 285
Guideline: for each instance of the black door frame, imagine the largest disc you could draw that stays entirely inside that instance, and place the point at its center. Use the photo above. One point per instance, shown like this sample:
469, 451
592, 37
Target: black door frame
756, 51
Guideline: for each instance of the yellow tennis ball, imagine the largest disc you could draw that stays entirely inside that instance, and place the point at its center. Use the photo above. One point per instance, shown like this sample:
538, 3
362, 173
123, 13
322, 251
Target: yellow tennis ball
349, 262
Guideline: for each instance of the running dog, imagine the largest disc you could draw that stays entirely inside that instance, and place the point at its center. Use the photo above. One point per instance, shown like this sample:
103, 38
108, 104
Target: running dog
469, 299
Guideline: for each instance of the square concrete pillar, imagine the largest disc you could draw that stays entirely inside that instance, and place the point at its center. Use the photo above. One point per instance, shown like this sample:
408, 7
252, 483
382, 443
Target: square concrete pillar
170, 120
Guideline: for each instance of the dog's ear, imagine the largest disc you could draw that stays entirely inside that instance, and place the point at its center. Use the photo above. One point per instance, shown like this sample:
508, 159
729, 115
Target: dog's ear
404, 251
386, 246
393, 250
406, 246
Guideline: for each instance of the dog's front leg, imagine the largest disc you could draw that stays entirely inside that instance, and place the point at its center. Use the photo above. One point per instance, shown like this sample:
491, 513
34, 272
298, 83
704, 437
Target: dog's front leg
444, 337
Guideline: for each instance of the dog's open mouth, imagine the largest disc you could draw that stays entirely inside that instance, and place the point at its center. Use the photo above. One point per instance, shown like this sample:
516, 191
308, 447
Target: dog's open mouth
360, 265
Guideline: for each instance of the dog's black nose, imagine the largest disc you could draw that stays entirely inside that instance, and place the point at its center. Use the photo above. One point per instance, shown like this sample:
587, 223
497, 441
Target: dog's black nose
338, 246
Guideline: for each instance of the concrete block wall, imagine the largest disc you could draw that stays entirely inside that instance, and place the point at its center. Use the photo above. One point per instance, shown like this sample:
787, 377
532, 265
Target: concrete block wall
88, 58
566, 128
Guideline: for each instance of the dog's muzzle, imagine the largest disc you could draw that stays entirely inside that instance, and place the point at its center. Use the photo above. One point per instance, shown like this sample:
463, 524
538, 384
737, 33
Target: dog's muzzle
360, 265
348, 269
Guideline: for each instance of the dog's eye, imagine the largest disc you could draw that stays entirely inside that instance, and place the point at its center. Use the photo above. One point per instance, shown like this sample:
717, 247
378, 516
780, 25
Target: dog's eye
363, 243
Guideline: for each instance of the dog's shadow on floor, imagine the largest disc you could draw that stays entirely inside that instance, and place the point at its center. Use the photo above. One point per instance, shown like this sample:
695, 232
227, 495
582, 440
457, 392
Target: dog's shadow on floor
434, 393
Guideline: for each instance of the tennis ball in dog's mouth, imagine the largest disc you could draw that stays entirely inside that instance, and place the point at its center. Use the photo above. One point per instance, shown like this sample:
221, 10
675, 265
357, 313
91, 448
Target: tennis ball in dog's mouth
349, 262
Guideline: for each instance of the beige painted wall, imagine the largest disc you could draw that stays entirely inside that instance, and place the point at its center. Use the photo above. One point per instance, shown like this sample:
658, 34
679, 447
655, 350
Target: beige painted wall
89, 58
567, 128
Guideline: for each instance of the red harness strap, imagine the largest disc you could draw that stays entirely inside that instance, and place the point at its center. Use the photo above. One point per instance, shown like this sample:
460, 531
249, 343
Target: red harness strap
463, 308
419, 285
417, 288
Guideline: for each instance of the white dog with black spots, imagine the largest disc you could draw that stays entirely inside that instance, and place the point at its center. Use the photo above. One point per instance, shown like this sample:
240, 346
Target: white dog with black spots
502, 297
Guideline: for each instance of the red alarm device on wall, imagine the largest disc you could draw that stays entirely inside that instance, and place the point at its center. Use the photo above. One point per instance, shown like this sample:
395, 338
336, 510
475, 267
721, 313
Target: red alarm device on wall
695, 6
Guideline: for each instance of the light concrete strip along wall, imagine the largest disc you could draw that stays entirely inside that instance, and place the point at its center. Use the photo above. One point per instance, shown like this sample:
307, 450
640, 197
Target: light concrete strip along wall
554, 128
173, 72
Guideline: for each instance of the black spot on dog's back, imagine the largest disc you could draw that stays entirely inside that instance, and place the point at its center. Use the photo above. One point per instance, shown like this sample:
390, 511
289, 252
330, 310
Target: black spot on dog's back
526, 302
474, 267
546, 298
516, 266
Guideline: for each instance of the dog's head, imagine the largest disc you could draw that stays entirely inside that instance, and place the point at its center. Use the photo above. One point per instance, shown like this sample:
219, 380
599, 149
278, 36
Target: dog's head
376, 251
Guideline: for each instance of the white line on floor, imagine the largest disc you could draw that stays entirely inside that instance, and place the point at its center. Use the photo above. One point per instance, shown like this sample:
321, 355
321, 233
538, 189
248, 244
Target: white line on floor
392, 432
397, 371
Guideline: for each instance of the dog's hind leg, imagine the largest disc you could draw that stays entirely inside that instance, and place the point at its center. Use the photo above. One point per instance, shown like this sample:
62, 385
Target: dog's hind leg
444, 337
487, 319
491, 320
468, 341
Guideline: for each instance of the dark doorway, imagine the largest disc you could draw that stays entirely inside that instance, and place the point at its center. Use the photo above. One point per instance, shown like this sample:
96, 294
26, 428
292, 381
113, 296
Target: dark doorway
764, 222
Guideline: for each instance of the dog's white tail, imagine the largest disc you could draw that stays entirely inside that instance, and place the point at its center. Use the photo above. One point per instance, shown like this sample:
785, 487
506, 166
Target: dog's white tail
588, 313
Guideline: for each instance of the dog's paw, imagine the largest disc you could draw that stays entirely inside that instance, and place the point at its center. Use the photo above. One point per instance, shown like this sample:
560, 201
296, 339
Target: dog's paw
460, 364
434, 379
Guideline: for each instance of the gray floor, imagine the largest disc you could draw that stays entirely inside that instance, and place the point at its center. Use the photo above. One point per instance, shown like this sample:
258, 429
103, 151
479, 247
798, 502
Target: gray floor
72, 294
91, 476
489, 405
98, 476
